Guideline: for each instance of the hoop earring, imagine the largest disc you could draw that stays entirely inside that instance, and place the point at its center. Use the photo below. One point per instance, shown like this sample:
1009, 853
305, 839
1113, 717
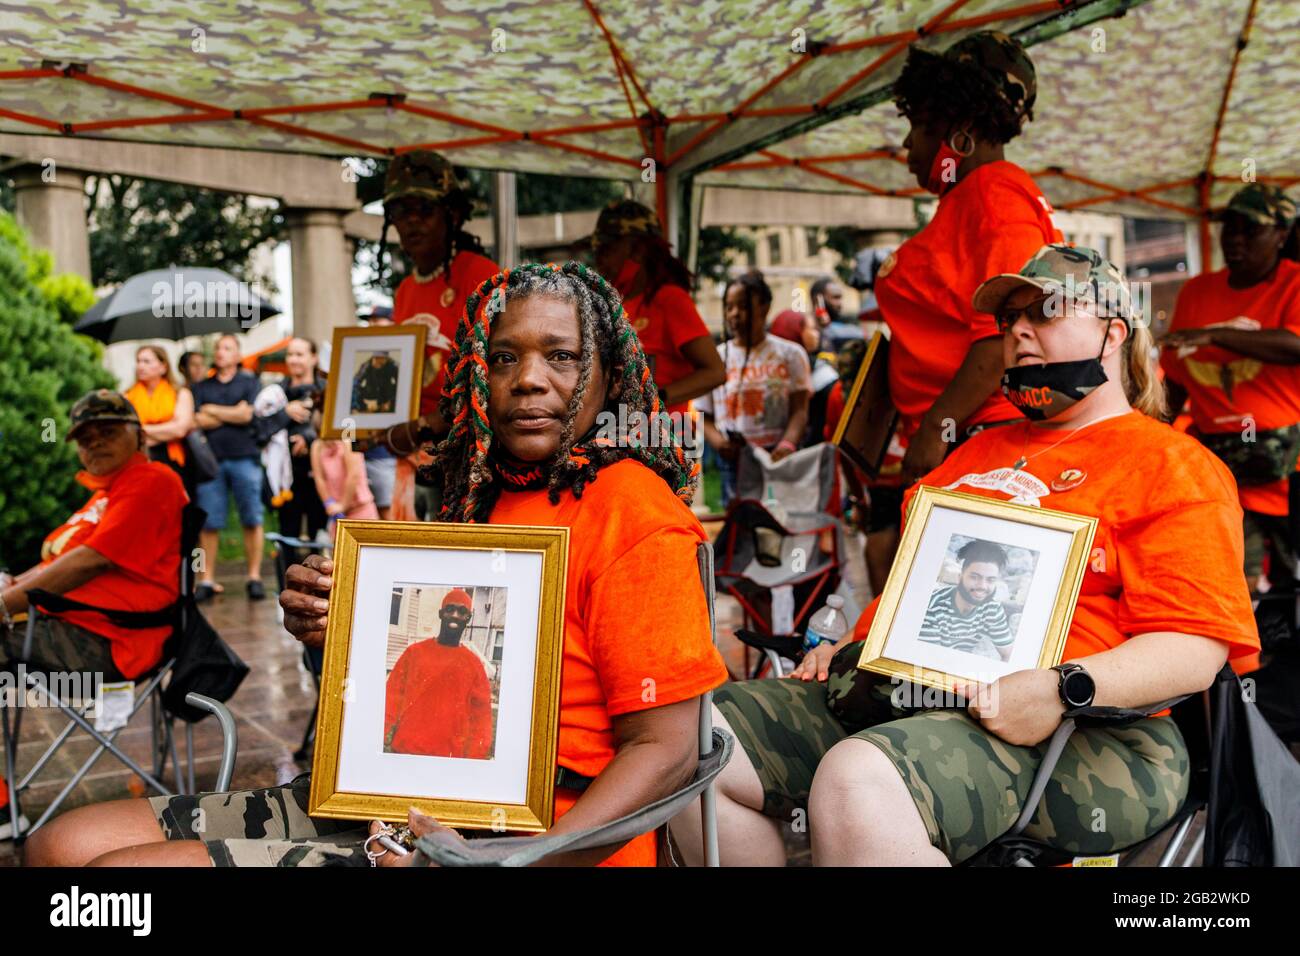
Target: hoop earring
970, 143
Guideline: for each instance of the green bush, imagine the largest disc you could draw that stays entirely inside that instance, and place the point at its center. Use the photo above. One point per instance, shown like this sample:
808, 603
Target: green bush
44, 368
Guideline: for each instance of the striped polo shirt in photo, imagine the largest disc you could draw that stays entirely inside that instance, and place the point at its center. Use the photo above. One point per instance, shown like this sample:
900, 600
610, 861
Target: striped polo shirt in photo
947, 626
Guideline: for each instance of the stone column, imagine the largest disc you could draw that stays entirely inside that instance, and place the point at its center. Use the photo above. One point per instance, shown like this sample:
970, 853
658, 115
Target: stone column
505, 220
51, 206
322, 273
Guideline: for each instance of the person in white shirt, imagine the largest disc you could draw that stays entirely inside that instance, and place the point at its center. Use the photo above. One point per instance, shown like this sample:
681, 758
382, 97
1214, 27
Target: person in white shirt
764, 400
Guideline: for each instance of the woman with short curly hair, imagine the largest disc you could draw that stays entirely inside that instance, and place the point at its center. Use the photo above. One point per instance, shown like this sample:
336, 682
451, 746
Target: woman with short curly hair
945, 359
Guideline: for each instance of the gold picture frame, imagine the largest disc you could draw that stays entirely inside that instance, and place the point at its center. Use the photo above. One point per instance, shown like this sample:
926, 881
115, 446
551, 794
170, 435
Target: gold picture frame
869, 417
912, 578
460, 549
410, 338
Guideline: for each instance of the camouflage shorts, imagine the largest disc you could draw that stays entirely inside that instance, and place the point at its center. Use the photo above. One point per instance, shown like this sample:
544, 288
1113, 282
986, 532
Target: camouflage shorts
267, 827
1112, 788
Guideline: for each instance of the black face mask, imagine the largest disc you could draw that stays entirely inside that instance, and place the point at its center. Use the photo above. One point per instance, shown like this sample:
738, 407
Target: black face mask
1044, 391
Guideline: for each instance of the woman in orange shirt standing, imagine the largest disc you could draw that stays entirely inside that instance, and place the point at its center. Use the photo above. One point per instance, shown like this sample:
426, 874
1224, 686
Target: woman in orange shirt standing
166, 412
945, 358
1233, 348
549, 353
1162, 605
632, 254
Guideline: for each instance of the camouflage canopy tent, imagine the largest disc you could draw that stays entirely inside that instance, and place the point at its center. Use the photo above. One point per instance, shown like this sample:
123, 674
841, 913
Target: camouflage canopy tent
1149, 107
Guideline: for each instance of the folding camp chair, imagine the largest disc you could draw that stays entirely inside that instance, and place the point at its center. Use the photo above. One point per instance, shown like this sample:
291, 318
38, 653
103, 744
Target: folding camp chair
715, 751
288, 551
1195, 717
162, 722
809, 567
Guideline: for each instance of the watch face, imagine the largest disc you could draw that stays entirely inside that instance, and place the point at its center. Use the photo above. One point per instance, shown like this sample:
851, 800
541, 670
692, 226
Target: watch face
1078, 689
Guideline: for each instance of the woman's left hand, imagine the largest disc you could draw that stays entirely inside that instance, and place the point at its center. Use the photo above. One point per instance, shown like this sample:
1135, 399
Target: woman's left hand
925, 453
421, 825
1023, 708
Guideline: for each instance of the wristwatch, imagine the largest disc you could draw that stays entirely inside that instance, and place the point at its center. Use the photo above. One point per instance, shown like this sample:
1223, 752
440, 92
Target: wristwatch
1076, 686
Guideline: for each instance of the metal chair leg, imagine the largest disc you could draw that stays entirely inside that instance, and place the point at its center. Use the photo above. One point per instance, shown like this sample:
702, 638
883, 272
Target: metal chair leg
1194, 853
189, 753
1176, 841
11, 770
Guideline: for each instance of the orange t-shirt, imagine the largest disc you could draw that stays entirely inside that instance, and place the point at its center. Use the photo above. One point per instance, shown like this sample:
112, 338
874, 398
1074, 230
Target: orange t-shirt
992, 221
1167, 555
1225, 388
440, 305
438, 702
636, 623
664, 324
133, 519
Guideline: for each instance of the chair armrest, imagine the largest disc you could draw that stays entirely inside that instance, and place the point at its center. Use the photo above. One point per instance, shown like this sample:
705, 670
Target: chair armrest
1119, 716
446, 849
787, 645
229, 736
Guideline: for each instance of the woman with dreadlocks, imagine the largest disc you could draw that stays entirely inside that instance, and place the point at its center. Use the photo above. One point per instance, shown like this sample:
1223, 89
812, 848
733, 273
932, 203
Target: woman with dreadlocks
541, 352
426, 204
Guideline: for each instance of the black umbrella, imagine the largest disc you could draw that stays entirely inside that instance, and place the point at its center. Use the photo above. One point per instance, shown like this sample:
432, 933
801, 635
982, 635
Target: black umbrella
174, 304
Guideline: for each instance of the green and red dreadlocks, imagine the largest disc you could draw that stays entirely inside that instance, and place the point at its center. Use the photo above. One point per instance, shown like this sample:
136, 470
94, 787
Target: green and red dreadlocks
471, 482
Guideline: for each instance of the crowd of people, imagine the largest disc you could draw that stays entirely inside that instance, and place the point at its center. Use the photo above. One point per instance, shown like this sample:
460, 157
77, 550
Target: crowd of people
1020, 368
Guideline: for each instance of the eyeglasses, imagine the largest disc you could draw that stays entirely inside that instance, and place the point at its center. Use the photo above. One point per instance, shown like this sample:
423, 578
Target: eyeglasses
1038, 313
1041, 312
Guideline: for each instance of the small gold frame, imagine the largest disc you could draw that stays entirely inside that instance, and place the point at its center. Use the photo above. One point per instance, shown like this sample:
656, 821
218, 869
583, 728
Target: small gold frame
869, 418
536, 813
339, 380
1081, 527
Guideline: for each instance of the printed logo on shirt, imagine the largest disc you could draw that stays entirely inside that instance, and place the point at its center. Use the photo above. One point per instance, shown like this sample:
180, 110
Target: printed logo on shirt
1223, 376
887, 266
1021, 486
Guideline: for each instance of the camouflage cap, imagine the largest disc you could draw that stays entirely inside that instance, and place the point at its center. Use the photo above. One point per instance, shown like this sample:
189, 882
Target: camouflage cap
420, 173
624, 217
1073, 272
1266, 205
101, 405
1002, 61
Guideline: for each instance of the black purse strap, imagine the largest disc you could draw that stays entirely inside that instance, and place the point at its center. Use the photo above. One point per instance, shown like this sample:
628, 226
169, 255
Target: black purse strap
58, 604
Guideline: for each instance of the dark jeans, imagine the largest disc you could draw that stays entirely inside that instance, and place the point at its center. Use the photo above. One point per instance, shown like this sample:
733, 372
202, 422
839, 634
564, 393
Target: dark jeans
305, 506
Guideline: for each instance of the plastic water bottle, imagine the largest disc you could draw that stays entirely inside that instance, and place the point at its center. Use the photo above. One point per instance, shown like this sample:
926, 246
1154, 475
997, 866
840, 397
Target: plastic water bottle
826, 626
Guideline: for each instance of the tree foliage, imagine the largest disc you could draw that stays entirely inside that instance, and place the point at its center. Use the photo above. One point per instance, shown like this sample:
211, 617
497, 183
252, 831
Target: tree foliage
44, 368
142, 224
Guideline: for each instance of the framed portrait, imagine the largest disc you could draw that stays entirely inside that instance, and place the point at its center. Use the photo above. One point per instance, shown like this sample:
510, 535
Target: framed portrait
441, 680
869, 418
375, 379
979, 589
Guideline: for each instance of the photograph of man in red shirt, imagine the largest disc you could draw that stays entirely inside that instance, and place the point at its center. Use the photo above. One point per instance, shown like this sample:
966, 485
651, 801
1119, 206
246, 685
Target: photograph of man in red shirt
439, 699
